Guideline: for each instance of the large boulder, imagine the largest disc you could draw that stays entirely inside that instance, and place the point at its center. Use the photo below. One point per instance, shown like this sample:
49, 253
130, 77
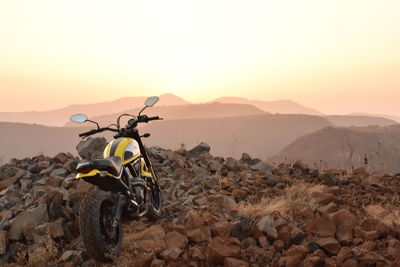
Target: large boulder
198, 150
219, 249
92, 148
27, 219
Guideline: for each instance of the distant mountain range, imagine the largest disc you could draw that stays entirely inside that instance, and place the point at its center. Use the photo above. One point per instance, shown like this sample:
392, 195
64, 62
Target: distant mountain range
173, 107
192, 111
279, 106
60, 117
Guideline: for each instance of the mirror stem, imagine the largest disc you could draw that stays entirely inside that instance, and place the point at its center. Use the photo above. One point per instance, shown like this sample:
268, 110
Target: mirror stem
98, 126
142, 110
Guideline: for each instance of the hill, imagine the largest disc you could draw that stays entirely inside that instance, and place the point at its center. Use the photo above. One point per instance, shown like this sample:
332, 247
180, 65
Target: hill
279, 106
377, 148
18, 140
191, 111
260, 136
60, 117
359, 121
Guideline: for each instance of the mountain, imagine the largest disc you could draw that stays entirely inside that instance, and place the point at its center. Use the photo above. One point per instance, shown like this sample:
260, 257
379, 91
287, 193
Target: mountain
192, 111
359, 121
390, 117
347, 148
259, 135
279, 106
61, 116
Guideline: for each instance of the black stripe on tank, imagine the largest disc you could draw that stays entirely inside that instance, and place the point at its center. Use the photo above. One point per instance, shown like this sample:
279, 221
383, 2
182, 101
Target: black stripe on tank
114, 146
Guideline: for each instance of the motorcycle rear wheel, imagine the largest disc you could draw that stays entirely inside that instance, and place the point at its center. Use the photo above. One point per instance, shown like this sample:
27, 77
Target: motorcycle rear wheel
101, 239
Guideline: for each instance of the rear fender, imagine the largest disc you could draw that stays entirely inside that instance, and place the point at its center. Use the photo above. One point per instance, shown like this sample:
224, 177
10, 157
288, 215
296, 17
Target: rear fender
103, 180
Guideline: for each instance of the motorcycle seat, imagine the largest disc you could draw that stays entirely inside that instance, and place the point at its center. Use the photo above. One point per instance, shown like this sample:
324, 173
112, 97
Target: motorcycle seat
112, 164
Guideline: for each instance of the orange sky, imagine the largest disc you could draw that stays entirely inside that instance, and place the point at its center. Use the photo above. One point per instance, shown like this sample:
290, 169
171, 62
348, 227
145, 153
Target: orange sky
336, 56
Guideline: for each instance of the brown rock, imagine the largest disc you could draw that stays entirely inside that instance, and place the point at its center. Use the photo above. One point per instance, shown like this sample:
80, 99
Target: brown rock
197, 253
327, 209
193, 220
394, 248
305, 212
171, 254
222, 205
222, 228
369, 246
263, 241
371, 258
267, 226
330, 245
219, 249
326, 227
27, 219
395, 263
175, 240
157, 263
329, 263
232, 262
61, 158
312, 261
284, 235
150, 245
240, 193
294, 256
350, 263
3, 242
279, 245
150, 233
345, 222
344, 254
199, 235
322, 198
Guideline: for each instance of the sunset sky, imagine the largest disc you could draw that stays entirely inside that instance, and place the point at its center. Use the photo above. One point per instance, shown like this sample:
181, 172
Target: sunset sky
336, 56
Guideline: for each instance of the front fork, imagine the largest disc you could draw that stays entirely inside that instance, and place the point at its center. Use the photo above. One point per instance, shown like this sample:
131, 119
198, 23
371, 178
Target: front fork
119, 205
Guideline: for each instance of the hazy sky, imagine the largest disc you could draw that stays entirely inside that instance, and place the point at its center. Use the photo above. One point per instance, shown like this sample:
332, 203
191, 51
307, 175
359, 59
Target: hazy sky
336, 56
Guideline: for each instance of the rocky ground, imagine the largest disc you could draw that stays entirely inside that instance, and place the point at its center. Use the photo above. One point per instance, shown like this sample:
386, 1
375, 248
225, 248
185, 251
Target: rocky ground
218, 212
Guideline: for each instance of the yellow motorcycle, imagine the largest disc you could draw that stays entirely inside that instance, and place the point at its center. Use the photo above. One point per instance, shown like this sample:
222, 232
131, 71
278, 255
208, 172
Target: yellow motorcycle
125, 184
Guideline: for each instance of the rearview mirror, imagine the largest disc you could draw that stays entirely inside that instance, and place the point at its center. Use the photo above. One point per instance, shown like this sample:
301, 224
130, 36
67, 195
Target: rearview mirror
79, 118
151, 101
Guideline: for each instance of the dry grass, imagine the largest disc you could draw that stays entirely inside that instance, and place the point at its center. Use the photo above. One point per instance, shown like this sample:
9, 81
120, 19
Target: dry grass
46, 255
295, 195
388, 214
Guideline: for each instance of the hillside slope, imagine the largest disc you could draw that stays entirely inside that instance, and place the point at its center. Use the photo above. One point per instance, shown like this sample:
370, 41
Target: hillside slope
348, 147
260, 136
18, 140
359, 121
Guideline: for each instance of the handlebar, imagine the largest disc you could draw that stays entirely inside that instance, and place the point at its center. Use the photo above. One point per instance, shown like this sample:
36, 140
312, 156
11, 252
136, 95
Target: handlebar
143, 118
91, 132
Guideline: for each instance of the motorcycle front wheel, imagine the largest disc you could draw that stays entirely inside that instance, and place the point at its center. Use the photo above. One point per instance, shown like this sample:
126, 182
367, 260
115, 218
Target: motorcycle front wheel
155, 209
101, 239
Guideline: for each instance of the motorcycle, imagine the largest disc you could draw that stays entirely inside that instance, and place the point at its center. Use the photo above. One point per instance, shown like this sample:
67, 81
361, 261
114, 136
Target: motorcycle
125, 184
